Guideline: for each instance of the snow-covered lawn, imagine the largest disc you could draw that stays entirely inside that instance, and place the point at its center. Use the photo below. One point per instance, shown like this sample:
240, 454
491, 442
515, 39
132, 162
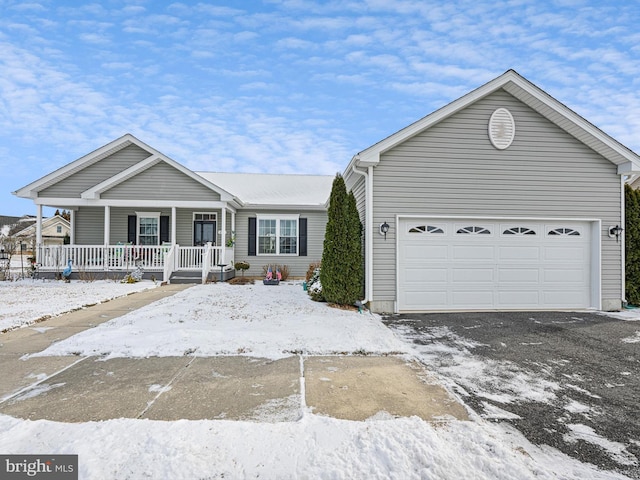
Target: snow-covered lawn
222, 319
272, 322
24, 302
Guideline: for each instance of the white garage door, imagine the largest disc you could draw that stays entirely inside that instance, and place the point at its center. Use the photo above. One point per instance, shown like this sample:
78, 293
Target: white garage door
483, 264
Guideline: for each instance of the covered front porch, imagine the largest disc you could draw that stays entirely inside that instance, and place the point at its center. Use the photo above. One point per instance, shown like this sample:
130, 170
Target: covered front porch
162, 262
192, 242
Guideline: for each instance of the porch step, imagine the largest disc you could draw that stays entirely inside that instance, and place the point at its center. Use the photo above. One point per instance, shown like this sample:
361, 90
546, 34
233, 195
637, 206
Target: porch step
186, 276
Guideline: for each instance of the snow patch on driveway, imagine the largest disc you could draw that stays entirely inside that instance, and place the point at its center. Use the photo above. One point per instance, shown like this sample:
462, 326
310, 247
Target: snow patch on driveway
500, 381
617, 450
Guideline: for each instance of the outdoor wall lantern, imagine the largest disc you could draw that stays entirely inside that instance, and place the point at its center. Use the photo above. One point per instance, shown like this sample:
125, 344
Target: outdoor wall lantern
4, 256
615, 232
384, 228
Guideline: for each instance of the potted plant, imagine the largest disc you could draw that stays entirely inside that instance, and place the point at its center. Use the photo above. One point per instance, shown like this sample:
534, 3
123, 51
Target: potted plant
269, 278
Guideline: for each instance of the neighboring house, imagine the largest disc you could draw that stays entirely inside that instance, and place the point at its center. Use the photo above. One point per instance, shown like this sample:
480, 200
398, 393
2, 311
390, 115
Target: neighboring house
54, 231
504, 199
634, 181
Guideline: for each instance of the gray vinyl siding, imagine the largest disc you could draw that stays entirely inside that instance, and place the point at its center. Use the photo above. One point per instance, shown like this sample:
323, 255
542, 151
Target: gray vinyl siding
161, 182
298, 266
78, 182
357, 185
452, 169
89, 224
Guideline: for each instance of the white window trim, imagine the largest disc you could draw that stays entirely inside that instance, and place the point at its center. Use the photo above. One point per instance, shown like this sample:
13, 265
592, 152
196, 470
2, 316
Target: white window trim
140, 215
277, 218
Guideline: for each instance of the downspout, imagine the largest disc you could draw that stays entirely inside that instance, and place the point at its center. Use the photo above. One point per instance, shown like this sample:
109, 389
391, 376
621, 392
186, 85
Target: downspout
368, 219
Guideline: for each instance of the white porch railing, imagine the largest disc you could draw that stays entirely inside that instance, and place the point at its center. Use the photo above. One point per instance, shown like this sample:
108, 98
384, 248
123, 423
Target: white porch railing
164, 258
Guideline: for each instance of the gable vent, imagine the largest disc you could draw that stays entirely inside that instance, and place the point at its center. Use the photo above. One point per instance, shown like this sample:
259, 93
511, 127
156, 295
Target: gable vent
502, 128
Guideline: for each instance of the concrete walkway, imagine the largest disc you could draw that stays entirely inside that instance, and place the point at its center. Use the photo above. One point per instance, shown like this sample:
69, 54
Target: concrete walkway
80, 389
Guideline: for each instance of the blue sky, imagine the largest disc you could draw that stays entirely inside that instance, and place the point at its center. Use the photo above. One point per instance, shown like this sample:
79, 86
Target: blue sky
287, 86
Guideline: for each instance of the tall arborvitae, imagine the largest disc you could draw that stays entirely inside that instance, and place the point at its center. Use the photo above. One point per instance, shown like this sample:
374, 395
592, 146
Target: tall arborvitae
632, 245
354, 256
341, 271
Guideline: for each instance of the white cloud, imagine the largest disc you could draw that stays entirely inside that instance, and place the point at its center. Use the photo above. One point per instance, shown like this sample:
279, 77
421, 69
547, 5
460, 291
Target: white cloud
294, 79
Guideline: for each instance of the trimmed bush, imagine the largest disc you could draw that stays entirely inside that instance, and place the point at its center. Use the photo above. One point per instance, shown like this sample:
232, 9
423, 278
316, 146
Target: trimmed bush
314, 286
242, 266
312, 268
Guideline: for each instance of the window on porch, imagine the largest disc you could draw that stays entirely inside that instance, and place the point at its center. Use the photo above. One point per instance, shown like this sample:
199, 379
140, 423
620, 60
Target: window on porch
148, 228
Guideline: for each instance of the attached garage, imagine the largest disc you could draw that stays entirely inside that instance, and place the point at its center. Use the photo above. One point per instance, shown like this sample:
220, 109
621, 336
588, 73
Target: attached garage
502, 264
504, 199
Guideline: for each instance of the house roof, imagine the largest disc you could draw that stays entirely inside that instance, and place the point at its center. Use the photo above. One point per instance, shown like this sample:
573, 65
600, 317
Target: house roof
243, 189
274, 190
513, 83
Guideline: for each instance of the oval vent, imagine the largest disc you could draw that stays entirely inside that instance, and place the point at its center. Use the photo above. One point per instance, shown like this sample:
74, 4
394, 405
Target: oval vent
502, 128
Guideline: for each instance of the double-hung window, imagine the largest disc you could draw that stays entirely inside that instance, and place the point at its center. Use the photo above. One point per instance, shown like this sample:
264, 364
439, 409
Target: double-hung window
148, 228
278, 235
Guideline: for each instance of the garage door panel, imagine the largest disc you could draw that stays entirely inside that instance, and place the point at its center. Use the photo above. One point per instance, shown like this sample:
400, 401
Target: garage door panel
472, 299
472, 275
519, 299
565, 253
564, 298
416, 300
473, 252
518, 275
519, 253
509, 268
425, 252
421, 276
566, 276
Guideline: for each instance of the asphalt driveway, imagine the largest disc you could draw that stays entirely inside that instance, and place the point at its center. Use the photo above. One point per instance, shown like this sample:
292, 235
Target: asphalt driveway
570, 380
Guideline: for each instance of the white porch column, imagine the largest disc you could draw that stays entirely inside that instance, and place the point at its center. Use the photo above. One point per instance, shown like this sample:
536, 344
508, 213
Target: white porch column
107, 224
39, 227
173, 225
223, 225
72, 227
233, 222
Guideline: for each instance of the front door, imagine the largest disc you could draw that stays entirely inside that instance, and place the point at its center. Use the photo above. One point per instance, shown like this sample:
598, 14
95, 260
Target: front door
204, 231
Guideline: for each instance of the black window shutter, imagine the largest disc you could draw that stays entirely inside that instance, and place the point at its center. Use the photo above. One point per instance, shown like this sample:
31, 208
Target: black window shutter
131, 229
302, 224
164, 229
252, 237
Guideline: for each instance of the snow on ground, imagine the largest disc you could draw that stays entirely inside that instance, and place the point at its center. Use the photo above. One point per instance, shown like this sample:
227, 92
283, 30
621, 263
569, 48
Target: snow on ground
24, 302
271, 321
630, 315
222, 319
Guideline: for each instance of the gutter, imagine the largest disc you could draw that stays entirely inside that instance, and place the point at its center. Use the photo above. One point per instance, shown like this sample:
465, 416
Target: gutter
368, 219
